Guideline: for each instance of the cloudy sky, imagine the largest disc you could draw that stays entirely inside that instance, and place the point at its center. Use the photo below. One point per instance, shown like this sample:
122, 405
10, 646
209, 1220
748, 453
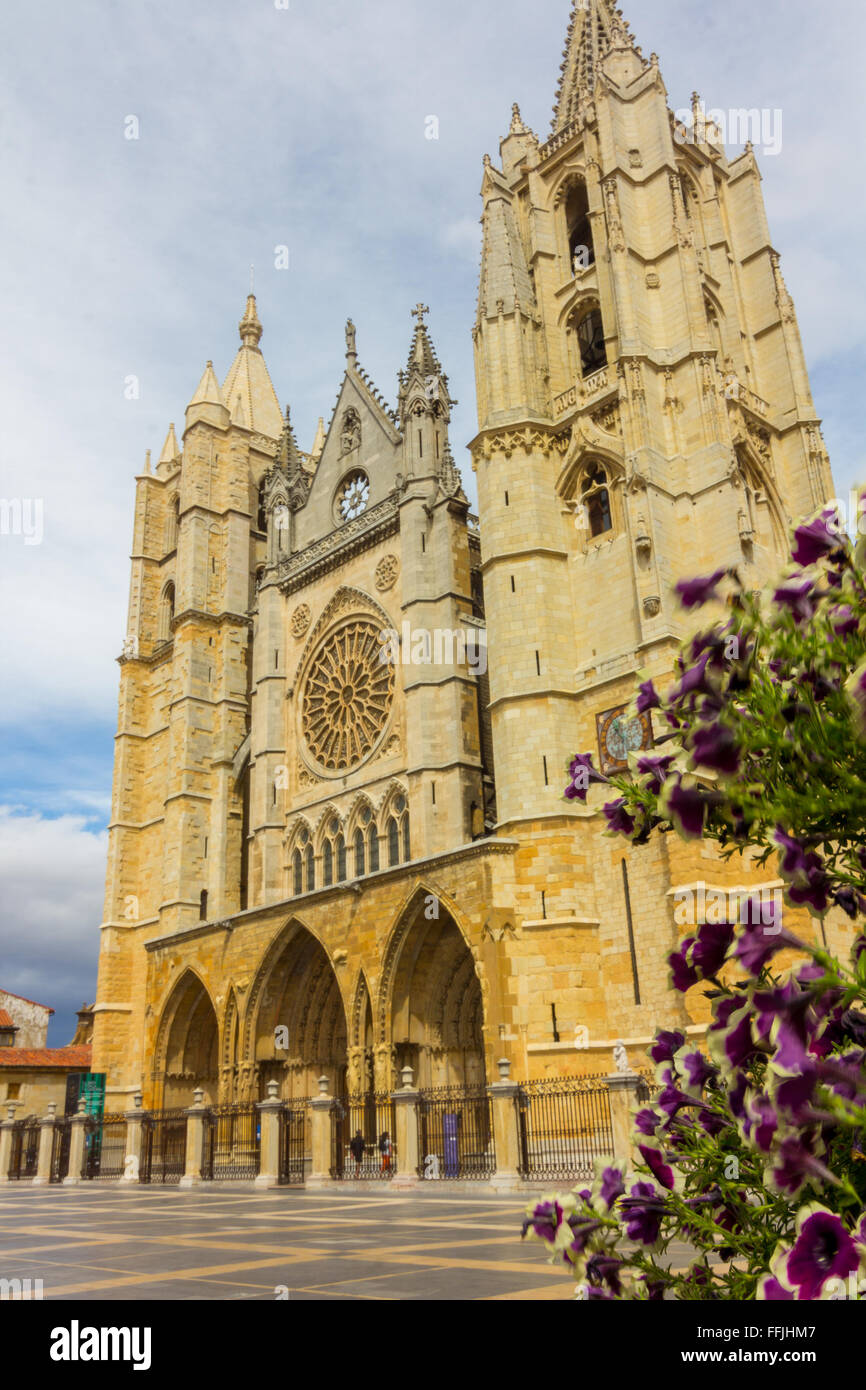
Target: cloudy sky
302, 126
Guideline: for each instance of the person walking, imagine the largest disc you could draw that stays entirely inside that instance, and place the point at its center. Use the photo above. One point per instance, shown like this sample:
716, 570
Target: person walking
385, 1150
356, 1148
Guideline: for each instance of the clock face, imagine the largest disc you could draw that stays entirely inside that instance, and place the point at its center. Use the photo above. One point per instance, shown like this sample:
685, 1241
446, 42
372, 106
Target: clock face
619, 734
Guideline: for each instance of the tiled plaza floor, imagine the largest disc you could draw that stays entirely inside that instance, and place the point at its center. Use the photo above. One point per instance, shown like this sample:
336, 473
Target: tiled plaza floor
162, 1243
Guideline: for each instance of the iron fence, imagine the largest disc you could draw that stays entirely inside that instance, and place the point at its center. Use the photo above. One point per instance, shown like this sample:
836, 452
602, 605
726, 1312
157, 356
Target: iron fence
294, 1140
163, 1146
24, 1159
455, 1133
564, 1125
231, 1142
363, 1144
104, 1147
60, 1141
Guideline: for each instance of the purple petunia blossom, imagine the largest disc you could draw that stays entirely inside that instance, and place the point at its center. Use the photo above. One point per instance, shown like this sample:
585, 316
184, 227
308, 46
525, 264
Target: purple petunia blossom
656, 769
711, 947
686, 807
844, 620
823, 1250
692, 681
696, 1070
647, 698
761, 1123
666, 1045
618, 819
646, 1121
642, 1212
798, 597
582, 772
817, 538
545, 1220
732, 1045
794, 1164
655, 1161
714, 747
855, 689
693, 593
612, 1186
771, 1290
683, 973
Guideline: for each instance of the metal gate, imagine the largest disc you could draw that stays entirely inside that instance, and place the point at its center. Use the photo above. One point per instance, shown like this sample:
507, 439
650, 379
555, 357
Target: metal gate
231, 1142
363, 1144
564, 1126
104, 1147
163, 1146
24, 1159
293, 1141
60, 1141
455, 1133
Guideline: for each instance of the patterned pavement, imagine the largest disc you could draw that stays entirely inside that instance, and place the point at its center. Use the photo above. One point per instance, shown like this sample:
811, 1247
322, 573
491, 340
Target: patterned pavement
108, 1243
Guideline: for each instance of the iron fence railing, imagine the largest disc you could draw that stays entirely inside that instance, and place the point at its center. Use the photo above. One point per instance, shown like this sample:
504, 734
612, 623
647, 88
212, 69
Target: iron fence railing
294, 1140
231, 1142
163, 1146
455, 1133
565, 1124
363, 1144
24, 1158
104, 1147
60, 1140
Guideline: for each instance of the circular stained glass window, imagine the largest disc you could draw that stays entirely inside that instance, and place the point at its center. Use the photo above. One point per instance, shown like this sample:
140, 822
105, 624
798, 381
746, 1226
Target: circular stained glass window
347, 696
353, 495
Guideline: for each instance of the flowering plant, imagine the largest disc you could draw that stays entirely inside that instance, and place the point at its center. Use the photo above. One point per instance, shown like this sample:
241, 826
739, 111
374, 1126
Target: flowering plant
751, 1156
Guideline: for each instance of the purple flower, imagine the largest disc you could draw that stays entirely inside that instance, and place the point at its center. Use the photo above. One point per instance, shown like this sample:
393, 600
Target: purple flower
666, 1045
844, 620
656, 769
855, 689
655, 1161
761, 1122
582, 772
817, 538
711, 947
823, 1250
693, 593
618, 819
759, 943
646, 1121
794, 1164
851, 902
713, 746
604, 1269
686, 806
732, 1043
647, 698
683, 973
545, 1220
693, 679
696, 1070
797, 597
771, 1290
643, 1211
612, 1186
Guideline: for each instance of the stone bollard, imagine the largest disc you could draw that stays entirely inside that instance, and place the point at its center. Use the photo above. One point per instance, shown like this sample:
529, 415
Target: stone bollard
406, 1137
506, 1129
77, 1136
195, 1122
320, 1126
134, 1141
46, 1146
7, 1129
271, 1111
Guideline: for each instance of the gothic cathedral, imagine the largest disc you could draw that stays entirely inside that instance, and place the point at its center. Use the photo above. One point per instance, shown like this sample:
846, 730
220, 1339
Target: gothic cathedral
339, 844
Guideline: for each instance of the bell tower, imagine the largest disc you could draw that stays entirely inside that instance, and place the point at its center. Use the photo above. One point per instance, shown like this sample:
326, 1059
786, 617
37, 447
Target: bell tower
644, 408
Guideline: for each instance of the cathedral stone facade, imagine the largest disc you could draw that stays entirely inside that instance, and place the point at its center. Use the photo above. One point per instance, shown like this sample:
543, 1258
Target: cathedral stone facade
339, 844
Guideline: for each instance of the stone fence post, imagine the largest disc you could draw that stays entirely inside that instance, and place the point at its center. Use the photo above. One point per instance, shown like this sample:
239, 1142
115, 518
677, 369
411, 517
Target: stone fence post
134, 1140
46, 1146
506, 1129
320, 1137
270, 1111
195, 1121
622, 1089
7, 1129
406, 1137
77, 1136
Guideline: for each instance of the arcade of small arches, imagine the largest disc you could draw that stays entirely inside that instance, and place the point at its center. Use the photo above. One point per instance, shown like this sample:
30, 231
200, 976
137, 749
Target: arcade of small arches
307, 1014
349, 847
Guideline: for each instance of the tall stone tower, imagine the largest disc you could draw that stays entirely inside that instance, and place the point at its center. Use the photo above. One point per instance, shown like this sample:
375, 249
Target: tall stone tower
644, 414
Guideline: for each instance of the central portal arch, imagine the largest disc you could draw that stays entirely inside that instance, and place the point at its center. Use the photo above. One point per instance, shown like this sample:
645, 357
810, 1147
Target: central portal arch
296, 1029
433, 1008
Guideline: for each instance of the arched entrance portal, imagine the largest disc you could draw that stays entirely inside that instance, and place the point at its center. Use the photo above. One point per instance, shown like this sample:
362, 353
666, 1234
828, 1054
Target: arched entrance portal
436, 1009
187, 1057
299, 1024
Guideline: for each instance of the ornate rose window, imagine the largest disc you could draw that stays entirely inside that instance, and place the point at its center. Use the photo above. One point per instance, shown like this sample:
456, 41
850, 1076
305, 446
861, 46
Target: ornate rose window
353, 495
347, 696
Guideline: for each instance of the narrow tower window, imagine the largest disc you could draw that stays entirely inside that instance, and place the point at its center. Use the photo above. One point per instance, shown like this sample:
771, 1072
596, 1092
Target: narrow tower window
596, 500
581, 252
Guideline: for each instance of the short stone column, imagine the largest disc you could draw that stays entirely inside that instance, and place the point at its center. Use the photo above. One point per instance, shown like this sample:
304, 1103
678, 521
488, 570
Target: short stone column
320, 1137
46, 1146
406, 1136
270, 1111
195, 1121
7, 1129
134, 1141
506, 1129
623, 1089
77, 1136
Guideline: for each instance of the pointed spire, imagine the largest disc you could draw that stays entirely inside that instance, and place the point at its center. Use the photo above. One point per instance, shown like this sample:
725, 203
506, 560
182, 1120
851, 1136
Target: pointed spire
170, 450
517, 126
319, 441
288, 454
250, 327
422, 354
596, 29
248, 390
208, 390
